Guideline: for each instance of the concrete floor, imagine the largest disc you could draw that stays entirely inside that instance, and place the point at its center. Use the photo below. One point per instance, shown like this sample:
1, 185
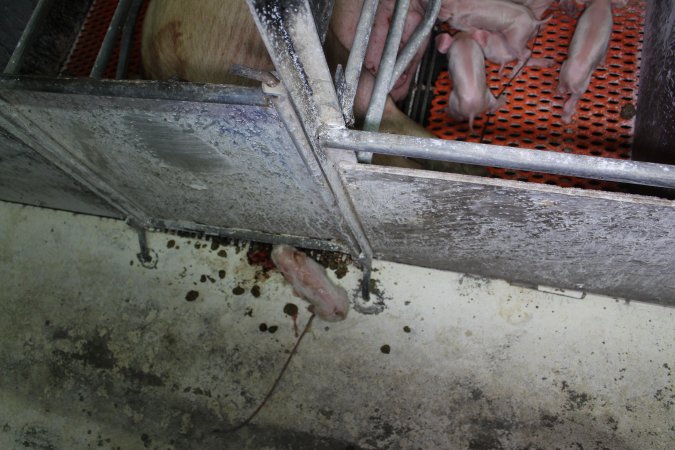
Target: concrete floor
97, 351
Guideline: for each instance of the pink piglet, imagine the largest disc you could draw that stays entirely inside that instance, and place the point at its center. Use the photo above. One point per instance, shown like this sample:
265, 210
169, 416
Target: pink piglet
470, 94
309, 281
586, 51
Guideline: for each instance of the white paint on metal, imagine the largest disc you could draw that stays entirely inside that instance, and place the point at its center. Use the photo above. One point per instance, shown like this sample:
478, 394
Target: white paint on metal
222, 165
611, 243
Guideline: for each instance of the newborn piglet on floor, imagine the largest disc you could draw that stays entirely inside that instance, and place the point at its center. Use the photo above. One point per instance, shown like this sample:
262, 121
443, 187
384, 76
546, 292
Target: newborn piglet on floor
310, 281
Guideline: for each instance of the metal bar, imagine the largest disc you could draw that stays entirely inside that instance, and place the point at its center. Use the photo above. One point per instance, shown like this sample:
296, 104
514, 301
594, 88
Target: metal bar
127, 40
154, 90
428, 86
322, 11
384, 72
649, 174
356, 57
289, 32
28, 36
144, 254
254, 74
110, 39
290, 35
411, 98
289, 118
421, 32
249, 235
322, 173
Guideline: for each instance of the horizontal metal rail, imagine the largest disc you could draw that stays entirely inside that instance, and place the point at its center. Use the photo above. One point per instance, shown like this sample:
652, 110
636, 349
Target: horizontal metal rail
140, 89
593, 167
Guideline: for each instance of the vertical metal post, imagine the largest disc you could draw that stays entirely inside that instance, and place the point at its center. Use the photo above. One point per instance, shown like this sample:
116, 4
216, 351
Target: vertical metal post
419, 35
28, 36
322, 10
289, 32
348, 83
655, 119
127, 40
384, 73
110, 39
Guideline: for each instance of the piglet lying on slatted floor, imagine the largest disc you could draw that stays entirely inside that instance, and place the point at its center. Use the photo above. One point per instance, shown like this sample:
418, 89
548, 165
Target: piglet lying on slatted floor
587, 50
470, 94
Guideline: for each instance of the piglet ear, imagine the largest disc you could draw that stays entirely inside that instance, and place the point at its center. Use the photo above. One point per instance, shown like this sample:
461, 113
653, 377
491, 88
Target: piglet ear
480, 36
443, 42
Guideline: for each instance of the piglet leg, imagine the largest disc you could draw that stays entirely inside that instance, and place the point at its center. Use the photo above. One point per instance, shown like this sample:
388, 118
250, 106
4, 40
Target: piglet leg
522, 60
532, 62
570, 107
587, 49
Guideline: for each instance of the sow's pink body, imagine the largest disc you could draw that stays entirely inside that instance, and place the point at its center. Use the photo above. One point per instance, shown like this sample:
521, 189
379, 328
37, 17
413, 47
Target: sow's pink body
309, 281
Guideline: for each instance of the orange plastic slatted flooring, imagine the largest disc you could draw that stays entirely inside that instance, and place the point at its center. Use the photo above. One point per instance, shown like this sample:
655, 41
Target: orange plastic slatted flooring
603, 124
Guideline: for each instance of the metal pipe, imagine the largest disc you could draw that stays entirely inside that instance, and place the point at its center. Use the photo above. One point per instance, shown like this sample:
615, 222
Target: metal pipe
293, 43
127, 40
322, 11
110, 39
154, 90
421, 32
622, 171
356, 57
28, 36
428, 86
384, 72
254, 74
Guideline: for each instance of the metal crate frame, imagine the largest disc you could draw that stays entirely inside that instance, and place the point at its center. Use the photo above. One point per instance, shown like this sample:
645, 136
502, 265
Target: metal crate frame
295, 177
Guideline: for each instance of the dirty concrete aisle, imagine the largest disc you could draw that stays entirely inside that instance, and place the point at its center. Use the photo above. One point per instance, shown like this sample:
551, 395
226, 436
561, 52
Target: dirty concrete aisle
97, 351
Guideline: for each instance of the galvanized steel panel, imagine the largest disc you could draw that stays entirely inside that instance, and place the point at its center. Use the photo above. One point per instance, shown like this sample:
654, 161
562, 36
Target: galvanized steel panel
615, 244
26, 177
219, 165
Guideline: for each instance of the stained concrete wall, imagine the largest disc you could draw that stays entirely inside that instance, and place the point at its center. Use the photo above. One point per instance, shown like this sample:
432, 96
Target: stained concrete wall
97, 351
